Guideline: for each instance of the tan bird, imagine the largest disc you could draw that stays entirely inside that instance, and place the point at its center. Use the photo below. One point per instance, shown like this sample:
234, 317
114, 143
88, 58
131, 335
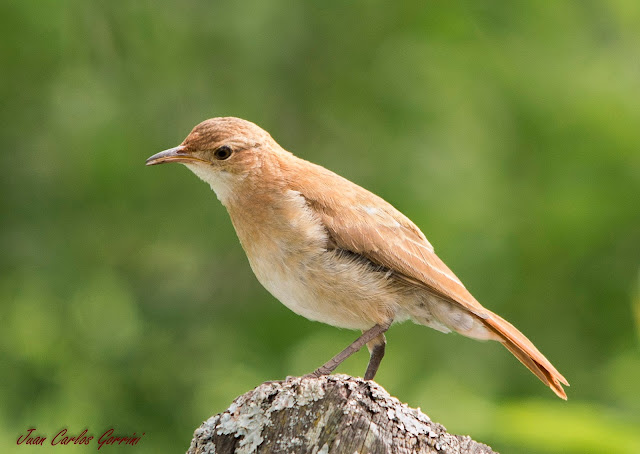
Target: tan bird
334, 252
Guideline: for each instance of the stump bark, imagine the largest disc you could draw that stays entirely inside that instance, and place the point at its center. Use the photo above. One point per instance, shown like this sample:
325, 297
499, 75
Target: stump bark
332, 414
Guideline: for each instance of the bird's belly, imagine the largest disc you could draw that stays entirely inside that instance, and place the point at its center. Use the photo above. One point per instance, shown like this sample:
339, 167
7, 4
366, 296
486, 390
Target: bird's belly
327, 287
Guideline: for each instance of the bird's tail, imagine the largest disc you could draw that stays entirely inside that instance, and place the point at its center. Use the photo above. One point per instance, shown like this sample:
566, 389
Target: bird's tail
523, 349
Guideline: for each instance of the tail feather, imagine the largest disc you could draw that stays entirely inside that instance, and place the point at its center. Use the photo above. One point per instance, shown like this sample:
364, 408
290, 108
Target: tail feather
523, 349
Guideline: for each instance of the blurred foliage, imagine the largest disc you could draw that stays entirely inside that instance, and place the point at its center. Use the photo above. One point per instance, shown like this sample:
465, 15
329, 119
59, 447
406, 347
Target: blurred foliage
509, 132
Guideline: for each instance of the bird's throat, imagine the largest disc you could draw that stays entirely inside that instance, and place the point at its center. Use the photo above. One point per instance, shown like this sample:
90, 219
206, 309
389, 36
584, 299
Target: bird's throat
223, 183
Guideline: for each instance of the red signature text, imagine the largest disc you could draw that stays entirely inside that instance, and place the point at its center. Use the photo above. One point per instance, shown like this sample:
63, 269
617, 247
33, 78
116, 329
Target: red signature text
108, 439
64, 438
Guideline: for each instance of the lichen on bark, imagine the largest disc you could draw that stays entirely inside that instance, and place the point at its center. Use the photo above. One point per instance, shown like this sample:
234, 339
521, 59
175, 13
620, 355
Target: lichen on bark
331, 414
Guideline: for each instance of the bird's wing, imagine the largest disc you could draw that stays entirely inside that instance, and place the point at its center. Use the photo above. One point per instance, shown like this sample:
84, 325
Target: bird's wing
365, 224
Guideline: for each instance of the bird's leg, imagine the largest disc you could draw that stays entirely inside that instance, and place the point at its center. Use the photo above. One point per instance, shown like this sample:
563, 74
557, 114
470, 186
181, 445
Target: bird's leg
376, 350
367, 336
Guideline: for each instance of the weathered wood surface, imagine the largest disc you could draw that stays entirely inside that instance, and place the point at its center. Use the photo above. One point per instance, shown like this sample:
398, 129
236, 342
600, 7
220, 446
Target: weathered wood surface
332, 414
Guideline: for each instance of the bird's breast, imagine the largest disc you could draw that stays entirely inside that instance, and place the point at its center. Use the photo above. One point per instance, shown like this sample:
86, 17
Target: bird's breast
288, 252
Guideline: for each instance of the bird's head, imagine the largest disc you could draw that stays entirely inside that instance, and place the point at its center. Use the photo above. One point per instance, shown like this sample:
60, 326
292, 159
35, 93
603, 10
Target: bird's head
221, 151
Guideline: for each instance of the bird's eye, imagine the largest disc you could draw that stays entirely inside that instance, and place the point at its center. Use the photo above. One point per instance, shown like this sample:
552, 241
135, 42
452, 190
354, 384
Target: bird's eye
222, 153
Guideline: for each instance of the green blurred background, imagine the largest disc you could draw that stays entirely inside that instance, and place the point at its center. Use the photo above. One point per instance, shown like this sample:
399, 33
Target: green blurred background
509, 132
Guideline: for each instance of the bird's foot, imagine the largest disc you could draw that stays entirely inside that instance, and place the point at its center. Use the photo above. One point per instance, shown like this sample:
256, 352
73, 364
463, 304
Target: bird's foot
319, 372
279, 382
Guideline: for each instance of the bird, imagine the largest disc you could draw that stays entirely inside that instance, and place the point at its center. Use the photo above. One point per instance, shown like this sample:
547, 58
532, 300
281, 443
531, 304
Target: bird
333, 252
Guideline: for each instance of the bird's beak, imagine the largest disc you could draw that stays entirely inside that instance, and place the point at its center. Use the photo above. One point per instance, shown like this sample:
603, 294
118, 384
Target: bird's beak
175, 154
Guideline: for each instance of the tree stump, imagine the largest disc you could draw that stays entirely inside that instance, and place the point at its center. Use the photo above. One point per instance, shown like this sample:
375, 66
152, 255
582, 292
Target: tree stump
332, 414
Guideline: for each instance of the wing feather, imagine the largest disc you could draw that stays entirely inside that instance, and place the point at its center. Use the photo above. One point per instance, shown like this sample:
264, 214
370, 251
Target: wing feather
361, 222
